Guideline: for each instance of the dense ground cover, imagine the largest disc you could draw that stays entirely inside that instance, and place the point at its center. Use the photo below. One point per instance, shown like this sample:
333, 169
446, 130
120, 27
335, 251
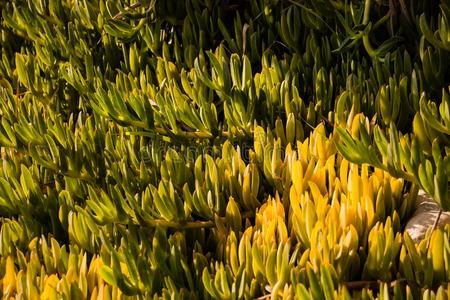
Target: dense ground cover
222, 149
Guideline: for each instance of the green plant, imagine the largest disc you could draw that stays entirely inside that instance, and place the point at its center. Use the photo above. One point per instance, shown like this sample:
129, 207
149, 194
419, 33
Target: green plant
207, 149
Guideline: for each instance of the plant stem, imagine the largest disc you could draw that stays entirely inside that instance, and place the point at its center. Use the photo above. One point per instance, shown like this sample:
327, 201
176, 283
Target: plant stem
187, 134
366, 41
179, 225
187, 224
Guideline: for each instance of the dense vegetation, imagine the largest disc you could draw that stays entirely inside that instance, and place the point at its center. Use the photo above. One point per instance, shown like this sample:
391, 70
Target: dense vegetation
222, 149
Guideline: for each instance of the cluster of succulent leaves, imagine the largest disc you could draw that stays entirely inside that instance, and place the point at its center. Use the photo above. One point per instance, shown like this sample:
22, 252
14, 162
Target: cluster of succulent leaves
222, 149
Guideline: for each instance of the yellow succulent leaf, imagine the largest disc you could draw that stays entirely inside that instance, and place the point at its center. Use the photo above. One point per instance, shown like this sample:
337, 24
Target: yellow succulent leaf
297, 177
9, 280
319, 177
331, 171
355, 184
303, 151
320, 201
437, 255
93, 278
233, 215
94, 293
343, 174
50, 288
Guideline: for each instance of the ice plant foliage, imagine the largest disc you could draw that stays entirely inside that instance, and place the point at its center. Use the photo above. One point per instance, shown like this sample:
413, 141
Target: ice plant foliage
208, 149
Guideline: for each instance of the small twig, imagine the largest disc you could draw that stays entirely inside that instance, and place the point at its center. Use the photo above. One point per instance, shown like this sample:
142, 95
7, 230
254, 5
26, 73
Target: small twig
306, 122
133, 6
435, 224
361, 284
372, 284
324, 119
179, 225
404, 10
187, 134
311, 11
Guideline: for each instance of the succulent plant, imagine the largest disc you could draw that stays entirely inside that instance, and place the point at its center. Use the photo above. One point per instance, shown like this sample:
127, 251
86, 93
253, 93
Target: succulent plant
222, 149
